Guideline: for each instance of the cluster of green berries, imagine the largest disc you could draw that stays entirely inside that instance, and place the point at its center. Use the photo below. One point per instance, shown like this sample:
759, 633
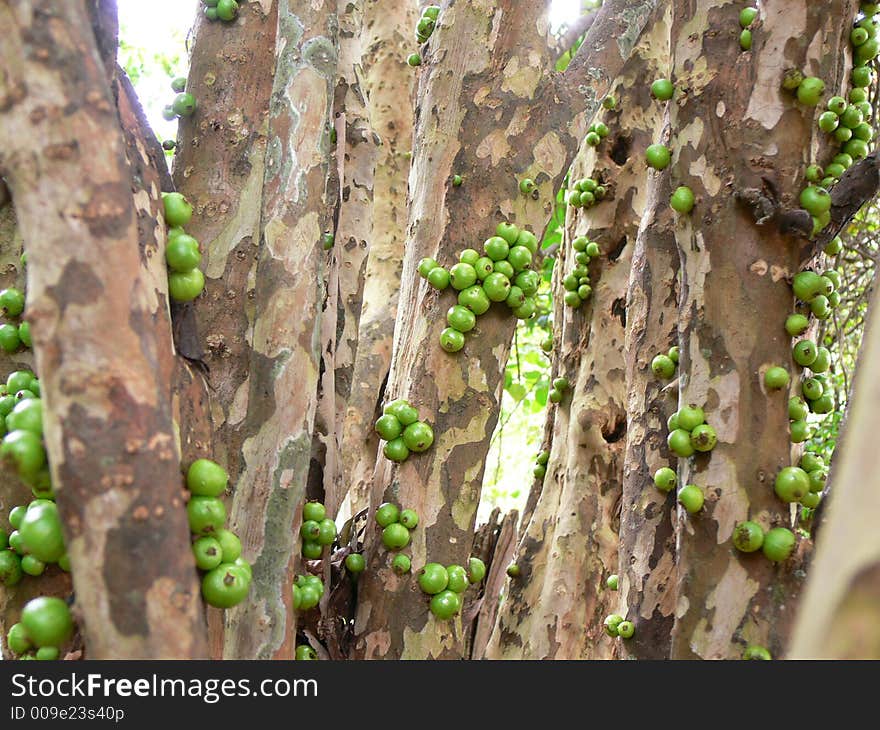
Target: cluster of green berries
585, 193
617, 627
225, 10
597, 132
658, 156
396, 524
427, 23
317, 531
399, 426
689, 432
541, 464
227, 576
183, 105
13, 336
21, 424
747, 17
36, 541
777, 543
45, 625
446, 585
307, 590
182, 252
577, 283
502, 274
663, 366
803, 483
558, 390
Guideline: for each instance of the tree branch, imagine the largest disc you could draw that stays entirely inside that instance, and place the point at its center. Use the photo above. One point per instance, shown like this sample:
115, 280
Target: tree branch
858, 185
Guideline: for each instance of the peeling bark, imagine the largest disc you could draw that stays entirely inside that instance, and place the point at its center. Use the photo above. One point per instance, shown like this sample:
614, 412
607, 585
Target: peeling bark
733, 128
108, 422
555, 608
486, 72
284, 360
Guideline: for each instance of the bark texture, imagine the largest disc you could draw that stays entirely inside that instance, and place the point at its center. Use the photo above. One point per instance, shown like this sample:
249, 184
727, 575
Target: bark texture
733, 129
486, 72
108, 422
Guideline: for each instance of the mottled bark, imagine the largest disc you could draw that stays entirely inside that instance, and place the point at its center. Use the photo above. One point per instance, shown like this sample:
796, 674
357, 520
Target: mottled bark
487, 72
387, 28
284, 361
108, 423
839, 616
647, 544
555, 608
733, 128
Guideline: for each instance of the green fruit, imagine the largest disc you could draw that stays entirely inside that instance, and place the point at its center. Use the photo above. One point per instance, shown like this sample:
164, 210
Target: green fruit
516, 298
178, 84
745, 40
11, 302
7, 403
691, 416
814, 173
445, 605
625, 629
520, 258
527, 310
17, 639
812, 389
312, 550
475, 299
809, 93
512, 570
792, 79
612, 582
476, 570
806, 285
673, 354
32, 566
612, 623
418, 437
451, 340
207, 552
19, 380
776, 378
205, 514
842, 134
778, 544
426, 266
804, 353
555, 396
496, 248
822, 361
529, 240
388, 428
497, 287
592, 250
414, 59
230, 545
811, 500
756, 652
662, 89
592, 139
828, 122
815, 200
796, 324
326, 532
609, 102
458, 581
703, 438
863, 132
856, 148
561, 384
401, 564
747, 16
226, 586
387, 514
433, 578
665, 479
584, 292
10, 568
27, 416
355, 563
462, 275
858, 36
539, 471
663, 367
823, 404
528, 281
682, 200
691, 498
469, 256
810, 461
526, 185
177, 210
800, 431
438, 278
409, 518
314, 511
818, 477
748, 537
182, 253
206, 478
41, 532
679, 442
672, 422
395, 536
47, 621
792, 483
305, 653
25, 450
184, 287
484, 267
851, 117
543, 458
16, 515
396, 450
227, 10
403, 411
310, 596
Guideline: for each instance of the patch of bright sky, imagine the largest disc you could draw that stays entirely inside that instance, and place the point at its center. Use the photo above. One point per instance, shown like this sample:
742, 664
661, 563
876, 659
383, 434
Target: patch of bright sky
564, 12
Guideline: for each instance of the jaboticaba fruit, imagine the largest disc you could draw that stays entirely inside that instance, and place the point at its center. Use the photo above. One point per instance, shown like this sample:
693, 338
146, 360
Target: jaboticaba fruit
625, 629
778, 544
47, 621
612, 582
662, 89
679, 442
355, 563
665, 479
395, 537
458, 581
810, 91
476, 570
445, 605
757, 652
804, 353
401, 564
691, 498
658, 156
792, 483
691, 416
611, 624
433, 578
775, 378
387, 514
796, 324
682, 200
663, 367
748, 537
703, 438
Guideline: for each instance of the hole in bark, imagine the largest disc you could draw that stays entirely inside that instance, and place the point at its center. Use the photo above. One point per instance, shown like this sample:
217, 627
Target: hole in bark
616, 252
618, 309
620, 150
614, 431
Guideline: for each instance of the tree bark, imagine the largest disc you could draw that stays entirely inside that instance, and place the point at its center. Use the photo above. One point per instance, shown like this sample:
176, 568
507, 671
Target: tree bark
284, 361
733, 129
486, 72
107, 398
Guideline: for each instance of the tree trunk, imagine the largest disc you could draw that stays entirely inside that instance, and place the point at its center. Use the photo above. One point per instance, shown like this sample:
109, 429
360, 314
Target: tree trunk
487, 73
88, 263
555, 608
732, 130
